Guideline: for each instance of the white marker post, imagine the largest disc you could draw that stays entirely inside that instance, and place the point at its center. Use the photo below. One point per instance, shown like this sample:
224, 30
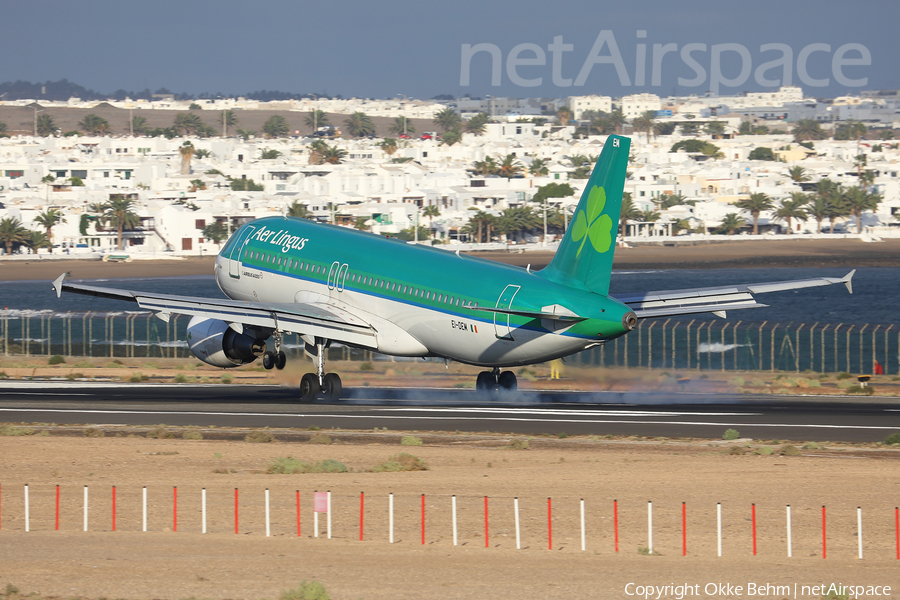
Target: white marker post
719, 526
27, 516
454, 519
518, 530
203, 509
790, 549
650, 526
329, 515
859, 529
268, 528
144, 512
85, 508
391, 517
583, 548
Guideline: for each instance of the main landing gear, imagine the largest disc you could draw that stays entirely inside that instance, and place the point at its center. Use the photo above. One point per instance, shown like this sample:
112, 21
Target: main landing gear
496, 381
312, 385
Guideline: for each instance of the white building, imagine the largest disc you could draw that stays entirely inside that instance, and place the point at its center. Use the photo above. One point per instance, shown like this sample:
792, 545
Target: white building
635, 105
579, 104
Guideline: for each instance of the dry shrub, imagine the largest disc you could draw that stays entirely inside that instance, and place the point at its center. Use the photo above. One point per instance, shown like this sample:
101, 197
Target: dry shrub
160, 433
259, 436
401, 462
320, 438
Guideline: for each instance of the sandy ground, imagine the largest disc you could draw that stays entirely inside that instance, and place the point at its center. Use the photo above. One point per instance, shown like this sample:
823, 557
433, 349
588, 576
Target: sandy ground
847, 253
166, 564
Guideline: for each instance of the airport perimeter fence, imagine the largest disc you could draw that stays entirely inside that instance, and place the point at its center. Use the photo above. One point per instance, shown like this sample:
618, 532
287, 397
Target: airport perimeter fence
698, 344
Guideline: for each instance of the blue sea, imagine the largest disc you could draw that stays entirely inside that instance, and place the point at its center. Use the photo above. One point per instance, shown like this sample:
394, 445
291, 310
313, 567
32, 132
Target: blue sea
875, 298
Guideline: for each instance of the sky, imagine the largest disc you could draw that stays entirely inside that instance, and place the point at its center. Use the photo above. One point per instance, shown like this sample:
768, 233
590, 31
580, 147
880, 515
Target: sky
423, 48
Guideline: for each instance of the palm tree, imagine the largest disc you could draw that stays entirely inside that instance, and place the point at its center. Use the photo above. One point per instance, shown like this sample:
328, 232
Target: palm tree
817, 208
488, 166
859, 201
887, 134
118, 213
754, 205
866, 178
518, 220
94, 125
798, 174
11, 232
539, 167
793, 208
48, 220
48, 179
564, 113
188, 123
484, 222
509, 167
299, 210
35, 240
46, 126
4, 134
806, 130
628, 212
388, 146
267, 154
476, 124
402, 125
359, 124
229, 119
245, 133
731, 224
431, 211
648, 215
453, 136
276, 126
316, 119
715, 127
850, 130
646, 122
139, 125
187, 152
447, 119
333, 155
838, 207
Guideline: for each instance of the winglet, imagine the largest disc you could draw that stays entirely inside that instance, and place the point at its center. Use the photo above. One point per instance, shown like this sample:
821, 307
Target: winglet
847, 280
57, 284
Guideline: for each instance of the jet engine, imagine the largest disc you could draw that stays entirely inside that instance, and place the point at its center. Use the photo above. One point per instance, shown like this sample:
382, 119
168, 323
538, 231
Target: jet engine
217, 344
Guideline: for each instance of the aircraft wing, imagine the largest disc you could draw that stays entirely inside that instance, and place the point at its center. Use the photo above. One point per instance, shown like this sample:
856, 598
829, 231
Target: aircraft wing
716, 300
309, 319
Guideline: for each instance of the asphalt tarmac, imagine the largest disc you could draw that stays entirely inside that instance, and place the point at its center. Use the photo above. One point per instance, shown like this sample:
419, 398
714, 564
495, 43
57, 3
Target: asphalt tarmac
524, 413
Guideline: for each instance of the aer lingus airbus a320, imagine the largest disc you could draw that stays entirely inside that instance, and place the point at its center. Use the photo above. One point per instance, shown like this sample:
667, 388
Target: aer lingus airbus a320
333, 284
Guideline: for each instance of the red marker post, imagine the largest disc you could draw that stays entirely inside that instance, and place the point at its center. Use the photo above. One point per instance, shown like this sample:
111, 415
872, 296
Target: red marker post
823, 531
897, 528
683, 529
298, 513
753, 518
423, 519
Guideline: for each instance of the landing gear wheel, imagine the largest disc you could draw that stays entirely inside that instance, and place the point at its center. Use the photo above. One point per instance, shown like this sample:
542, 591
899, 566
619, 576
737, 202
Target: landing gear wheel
331, 387
486, 382
280, 360
269, 360
507, 381
309, 387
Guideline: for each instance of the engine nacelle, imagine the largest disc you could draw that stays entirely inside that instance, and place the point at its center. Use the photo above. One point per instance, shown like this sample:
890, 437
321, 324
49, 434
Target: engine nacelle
217, 344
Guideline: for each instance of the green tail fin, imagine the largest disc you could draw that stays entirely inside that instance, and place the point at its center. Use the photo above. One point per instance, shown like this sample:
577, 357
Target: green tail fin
585, 255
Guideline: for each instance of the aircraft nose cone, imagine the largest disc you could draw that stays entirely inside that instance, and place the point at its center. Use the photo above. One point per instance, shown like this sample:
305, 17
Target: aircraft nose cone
629, 321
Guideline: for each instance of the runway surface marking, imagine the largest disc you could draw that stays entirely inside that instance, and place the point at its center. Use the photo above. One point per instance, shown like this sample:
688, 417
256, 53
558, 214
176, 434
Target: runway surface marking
455, 418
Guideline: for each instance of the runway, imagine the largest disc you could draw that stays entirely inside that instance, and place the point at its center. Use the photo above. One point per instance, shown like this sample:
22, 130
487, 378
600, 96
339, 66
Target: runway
525, 413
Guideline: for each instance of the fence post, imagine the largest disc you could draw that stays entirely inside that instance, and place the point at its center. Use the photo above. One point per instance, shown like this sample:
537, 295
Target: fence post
797, 355
688, 341
698, 343
649, 346
861, 371
763, 324
673, 344
886, 360
836, 367
823, 345
722, 340
666, 322
874, 360
772, 348
848, 347
812, 351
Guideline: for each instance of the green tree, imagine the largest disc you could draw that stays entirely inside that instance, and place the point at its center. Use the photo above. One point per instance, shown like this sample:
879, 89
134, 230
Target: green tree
715, 127
35, 240
539, 167
3, 130
553, 190
245, 134
139, 125
646, 123
666, 201
359, 124
690, 128
850, 130
754, 205
402, 125
481, 222
11, 232
409, 234
509, 167
798, 174
666, 128
518, 221
817, 208
488, 166
216, 231
49, 219
76, 181
453, 136
859, 201
334, 155
806, 130
119, 212
628, 212
731, 224
648, 215
276, 126
761, 153
301, 211
45, 126
188, 123
316, 119
267, 154
246, 185
447, 119
94, 125
838, 207
697, 146
792, 208
887, 134
431, 211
